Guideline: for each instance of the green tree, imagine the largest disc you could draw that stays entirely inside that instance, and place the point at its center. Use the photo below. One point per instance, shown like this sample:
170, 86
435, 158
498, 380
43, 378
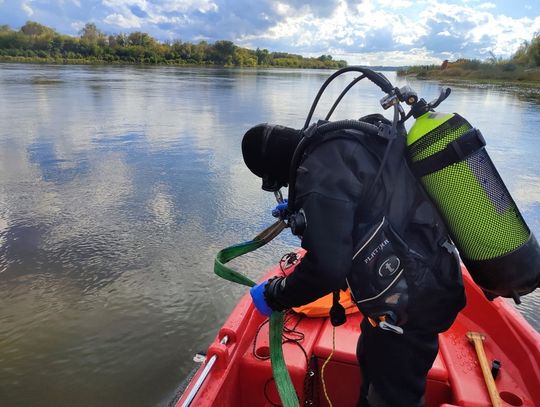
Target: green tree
244, 57
521, 57
201, 51
90, 33
121, 40
223, 52
533, 51
263, 57
141, 39
31, 28
35, 40
71, 45
529, 52
112, 41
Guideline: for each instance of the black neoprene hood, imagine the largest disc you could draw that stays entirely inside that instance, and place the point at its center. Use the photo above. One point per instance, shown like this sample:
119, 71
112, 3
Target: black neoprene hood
268, 151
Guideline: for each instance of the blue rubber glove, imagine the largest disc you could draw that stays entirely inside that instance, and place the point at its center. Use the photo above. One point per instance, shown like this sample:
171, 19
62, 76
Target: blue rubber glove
257, 294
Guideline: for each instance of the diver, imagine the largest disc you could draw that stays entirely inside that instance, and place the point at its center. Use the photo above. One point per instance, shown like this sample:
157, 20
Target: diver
365, 222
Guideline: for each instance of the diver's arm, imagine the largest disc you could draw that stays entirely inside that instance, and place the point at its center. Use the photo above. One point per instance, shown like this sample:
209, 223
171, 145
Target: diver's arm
328, 242
328, 191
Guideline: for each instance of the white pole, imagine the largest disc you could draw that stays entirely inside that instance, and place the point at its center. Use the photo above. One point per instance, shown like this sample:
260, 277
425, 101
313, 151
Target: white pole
200, 380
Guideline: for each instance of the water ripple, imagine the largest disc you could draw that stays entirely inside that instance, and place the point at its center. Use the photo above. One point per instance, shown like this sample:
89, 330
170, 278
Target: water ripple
118, 185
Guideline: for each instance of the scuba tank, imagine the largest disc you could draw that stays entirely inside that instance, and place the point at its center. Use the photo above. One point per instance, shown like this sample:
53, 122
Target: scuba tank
449, 158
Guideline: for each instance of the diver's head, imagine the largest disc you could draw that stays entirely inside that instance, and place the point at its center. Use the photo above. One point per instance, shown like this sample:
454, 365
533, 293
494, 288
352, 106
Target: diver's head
268, 151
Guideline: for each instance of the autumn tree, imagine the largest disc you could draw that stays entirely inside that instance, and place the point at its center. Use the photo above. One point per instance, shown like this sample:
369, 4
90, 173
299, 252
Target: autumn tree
33, 29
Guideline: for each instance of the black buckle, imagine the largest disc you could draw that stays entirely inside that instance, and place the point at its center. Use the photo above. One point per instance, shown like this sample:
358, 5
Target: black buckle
386, 131
468, 143
337, 312
448, 245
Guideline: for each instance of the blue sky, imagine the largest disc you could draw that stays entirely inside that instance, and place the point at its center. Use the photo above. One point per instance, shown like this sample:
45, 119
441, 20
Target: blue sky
370, 32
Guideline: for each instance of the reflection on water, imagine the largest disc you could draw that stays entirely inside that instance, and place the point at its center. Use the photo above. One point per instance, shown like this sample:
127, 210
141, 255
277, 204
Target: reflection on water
118, 186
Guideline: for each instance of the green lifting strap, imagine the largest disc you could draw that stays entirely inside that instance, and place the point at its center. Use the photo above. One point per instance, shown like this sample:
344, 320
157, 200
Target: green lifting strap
279, 368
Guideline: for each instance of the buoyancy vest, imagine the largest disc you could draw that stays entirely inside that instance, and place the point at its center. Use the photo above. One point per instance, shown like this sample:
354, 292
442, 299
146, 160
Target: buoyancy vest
396, 225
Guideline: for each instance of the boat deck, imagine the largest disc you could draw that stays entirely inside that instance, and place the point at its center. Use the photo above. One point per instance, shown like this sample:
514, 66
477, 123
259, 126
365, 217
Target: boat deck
243, 377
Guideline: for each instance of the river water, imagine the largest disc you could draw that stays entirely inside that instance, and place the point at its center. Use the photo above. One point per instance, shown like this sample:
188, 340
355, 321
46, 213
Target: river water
118, 185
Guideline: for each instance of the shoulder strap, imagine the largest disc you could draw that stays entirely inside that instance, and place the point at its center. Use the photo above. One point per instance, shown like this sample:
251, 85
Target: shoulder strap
390, 134
322, 132
380, 170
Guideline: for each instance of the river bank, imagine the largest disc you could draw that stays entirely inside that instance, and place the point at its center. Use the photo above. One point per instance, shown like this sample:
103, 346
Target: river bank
526, 86
506, 74
89, 62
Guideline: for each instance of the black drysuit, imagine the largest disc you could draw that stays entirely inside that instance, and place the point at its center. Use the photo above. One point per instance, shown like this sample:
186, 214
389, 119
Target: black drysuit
332, 181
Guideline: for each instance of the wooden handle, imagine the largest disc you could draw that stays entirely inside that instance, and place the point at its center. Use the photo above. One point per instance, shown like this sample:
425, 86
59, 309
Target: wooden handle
477, 339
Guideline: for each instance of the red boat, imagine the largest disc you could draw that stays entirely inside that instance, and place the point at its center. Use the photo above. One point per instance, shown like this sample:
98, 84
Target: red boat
237, 371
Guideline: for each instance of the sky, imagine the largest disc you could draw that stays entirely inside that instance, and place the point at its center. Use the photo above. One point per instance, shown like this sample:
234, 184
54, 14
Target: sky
366, 32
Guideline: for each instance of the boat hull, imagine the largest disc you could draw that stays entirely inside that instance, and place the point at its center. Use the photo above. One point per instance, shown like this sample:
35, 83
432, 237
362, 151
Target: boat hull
242, 374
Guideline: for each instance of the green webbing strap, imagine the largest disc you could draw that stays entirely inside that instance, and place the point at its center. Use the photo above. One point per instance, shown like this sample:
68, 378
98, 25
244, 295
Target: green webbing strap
279, 369
286, 391
232, 252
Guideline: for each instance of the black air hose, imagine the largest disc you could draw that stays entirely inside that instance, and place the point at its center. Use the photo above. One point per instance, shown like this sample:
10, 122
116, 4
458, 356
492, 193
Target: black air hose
348, 124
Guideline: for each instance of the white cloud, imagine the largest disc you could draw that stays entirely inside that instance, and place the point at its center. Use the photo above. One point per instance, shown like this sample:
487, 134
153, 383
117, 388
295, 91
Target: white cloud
486, 6
77, 25
415, 56
122, 21
282, 8
507, 33
468, 32
167, 6
370, 31
114, 4
140, 13
187, 5
393, 4
27, 9
469, 29
303, 28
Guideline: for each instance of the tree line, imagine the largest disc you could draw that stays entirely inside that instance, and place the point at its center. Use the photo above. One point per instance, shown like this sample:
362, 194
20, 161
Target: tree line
523, 65
34, 42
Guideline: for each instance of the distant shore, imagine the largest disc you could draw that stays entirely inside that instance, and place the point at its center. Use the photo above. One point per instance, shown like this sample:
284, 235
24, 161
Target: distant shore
36, 43
472, 72
66, 61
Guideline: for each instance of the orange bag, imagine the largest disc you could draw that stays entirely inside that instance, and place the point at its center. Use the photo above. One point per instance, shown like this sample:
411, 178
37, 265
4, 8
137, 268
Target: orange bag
321, 307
